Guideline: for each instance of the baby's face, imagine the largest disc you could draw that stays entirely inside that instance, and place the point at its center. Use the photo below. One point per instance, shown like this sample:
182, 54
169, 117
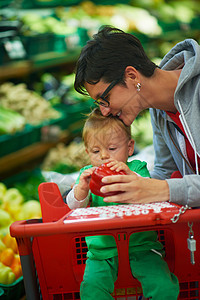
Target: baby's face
104, 144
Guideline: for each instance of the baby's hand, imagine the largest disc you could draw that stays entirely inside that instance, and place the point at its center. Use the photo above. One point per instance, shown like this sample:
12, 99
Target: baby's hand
84, 179
82, 189
118, 166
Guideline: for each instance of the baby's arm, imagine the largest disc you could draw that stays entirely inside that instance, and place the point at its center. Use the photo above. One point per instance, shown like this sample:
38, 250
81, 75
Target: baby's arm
73, 203
79, 195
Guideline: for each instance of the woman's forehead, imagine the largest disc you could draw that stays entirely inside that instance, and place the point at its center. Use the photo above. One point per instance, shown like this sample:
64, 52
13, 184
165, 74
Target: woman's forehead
95, 90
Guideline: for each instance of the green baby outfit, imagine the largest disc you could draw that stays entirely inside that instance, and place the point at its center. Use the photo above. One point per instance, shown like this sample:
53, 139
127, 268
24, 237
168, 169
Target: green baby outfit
147, 266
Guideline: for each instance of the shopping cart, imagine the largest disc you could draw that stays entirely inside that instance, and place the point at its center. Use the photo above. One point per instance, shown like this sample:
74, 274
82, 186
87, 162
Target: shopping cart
53, 249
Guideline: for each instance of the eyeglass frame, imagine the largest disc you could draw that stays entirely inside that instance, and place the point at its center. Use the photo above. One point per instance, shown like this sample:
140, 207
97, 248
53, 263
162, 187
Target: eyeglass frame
106, 103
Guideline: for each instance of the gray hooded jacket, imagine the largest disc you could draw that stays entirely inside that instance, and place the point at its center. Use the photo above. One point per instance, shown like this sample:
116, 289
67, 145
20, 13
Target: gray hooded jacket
168, 159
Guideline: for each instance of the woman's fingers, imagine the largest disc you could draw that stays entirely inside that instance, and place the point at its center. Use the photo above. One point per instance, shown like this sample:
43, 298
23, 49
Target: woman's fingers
136, 189
120, 183
119, 178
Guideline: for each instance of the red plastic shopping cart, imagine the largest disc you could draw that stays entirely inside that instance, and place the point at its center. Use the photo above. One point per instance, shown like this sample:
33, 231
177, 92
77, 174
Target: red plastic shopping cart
53, 249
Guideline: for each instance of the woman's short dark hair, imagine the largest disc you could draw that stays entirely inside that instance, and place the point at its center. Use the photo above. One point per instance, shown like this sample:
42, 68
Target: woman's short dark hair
106, 57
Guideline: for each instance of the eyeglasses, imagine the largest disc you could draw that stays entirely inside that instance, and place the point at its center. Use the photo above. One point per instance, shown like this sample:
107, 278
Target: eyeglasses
102, 100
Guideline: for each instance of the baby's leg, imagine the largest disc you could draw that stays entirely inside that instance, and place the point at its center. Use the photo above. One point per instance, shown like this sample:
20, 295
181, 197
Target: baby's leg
98, 280
158, 283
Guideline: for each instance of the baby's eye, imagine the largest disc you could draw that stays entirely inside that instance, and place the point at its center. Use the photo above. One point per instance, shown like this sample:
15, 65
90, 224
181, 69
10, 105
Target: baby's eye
112, 148
95, 151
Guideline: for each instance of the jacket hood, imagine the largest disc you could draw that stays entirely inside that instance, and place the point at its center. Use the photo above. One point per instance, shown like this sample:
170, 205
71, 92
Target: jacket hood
186, 55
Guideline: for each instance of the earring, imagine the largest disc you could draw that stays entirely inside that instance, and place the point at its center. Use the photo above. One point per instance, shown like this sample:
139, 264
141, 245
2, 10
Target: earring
138, 86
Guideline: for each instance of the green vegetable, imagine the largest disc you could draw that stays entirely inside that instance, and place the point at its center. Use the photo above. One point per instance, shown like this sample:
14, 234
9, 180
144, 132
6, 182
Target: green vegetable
29, 187
64, 168
10, 121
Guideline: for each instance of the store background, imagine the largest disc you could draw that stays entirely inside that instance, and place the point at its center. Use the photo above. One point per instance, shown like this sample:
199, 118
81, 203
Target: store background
41, 116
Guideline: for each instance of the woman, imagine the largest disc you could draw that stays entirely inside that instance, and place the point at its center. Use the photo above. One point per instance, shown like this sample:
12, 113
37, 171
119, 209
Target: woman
115, 71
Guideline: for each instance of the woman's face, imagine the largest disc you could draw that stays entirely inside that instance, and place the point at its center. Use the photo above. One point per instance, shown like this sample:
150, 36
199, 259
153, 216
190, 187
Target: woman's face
124, 101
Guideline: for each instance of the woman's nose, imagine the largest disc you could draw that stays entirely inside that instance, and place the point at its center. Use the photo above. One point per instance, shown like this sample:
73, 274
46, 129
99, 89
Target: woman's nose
105, 110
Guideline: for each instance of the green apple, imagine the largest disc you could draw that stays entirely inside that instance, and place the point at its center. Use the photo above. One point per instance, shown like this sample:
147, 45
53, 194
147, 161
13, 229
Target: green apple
6, 275
5, 218
13, 197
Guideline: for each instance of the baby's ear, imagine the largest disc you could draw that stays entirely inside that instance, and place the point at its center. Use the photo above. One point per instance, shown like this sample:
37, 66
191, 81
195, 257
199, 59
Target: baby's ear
131, 147
86, 150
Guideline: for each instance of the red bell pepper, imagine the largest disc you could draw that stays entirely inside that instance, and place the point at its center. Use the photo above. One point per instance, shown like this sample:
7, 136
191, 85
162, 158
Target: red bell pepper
96, 183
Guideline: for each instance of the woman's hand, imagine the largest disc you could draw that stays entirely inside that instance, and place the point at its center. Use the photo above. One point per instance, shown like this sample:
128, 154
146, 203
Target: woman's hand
82, 189
136, 189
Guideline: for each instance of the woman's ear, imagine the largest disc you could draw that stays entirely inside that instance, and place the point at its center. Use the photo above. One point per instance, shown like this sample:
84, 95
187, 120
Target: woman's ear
131, 147
131, 75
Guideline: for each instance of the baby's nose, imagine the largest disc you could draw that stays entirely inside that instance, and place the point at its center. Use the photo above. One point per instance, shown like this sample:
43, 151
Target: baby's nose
104, 155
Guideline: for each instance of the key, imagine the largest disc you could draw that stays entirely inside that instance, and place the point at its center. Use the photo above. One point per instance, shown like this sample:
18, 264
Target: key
192, 247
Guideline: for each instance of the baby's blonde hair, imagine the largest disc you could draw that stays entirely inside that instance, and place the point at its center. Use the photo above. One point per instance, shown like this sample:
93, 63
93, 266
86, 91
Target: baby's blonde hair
96, 121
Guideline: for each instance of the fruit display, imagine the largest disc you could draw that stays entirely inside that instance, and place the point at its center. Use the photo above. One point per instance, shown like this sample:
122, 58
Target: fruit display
10, 265
12, 208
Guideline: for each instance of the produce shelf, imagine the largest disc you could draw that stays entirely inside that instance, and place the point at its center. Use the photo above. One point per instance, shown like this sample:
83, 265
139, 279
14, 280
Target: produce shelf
45, 60
14, 162
51, 59
15, 69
